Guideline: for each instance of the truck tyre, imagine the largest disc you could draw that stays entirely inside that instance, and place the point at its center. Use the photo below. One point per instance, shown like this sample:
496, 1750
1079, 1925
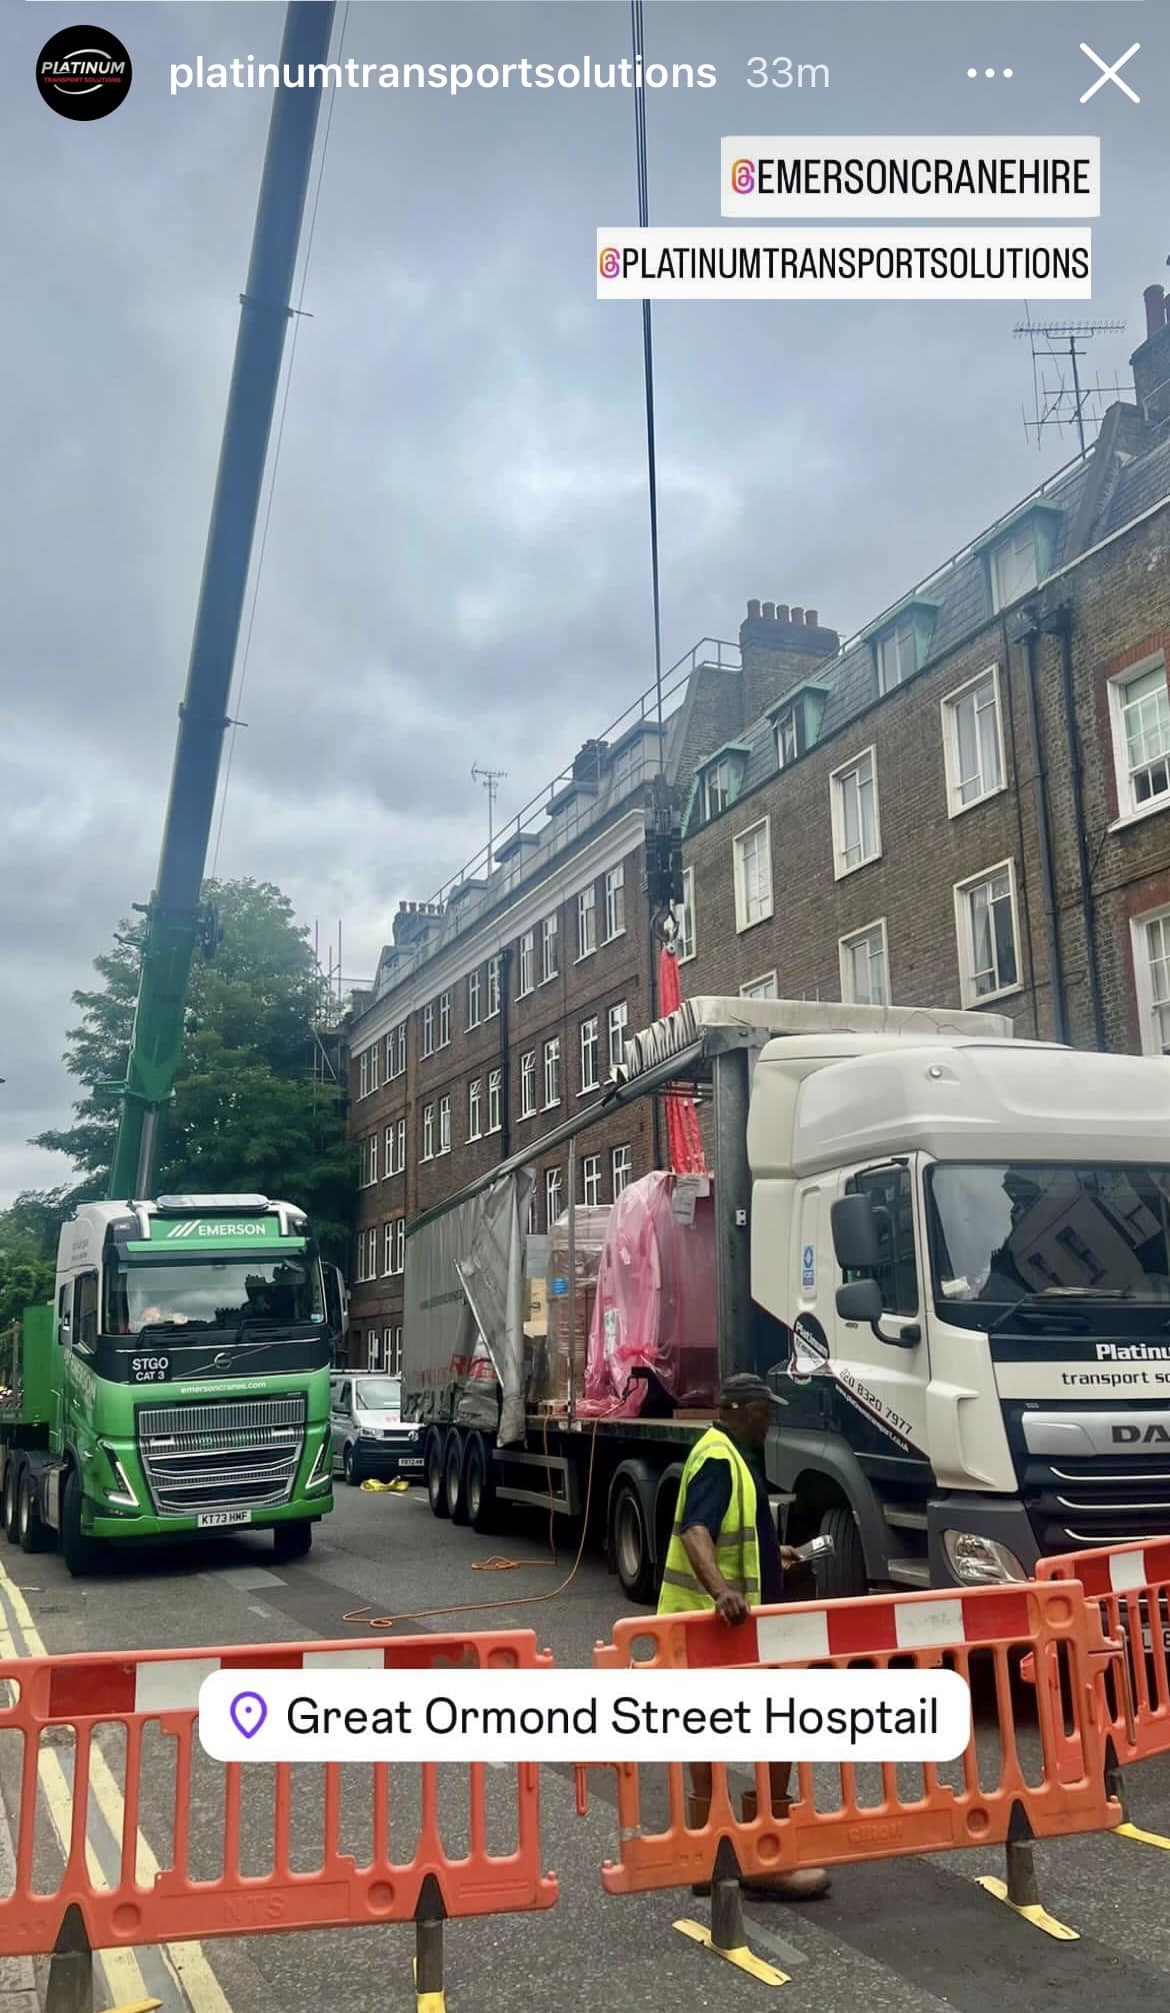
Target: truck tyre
630, 1545
479, 1489
32, 1532
434, 1464
11, 1505
841, 1576
82, 1553
292, 1541
453, 1479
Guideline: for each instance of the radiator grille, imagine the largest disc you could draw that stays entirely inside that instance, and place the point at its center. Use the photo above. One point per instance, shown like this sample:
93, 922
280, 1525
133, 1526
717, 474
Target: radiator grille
241, 1453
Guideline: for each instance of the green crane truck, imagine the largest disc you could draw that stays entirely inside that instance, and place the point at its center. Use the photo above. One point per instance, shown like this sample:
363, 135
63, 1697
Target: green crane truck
178, 1385
180, 1381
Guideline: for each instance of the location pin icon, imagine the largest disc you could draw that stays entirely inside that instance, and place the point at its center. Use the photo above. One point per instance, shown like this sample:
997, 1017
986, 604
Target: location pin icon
248, 1712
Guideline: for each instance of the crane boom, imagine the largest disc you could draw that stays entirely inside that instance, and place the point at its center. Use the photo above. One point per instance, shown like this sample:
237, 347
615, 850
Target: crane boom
173, 914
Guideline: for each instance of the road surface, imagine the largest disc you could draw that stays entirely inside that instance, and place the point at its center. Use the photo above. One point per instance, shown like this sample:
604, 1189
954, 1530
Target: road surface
916, 1935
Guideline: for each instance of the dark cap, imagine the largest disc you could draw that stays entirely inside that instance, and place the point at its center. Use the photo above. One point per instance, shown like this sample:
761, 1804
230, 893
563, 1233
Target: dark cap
745, 1389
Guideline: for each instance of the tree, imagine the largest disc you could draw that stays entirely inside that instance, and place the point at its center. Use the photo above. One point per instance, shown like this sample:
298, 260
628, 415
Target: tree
248, 1110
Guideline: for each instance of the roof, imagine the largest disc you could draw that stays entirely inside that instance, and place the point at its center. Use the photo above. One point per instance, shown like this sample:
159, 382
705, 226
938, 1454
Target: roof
960, 591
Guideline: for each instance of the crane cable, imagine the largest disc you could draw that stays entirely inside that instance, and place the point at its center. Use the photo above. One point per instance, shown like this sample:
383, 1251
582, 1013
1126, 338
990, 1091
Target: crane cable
637, 26
297, 317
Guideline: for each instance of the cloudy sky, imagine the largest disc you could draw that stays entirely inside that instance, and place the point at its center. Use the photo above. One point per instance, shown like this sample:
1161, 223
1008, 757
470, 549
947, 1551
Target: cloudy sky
457, 565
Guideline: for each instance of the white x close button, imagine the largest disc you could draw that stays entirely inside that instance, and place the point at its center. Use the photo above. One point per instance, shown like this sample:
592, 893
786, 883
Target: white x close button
1109, 73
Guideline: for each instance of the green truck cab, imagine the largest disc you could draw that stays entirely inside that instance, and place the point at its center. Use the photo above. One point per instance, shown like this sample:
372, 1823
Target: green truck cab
179, 1385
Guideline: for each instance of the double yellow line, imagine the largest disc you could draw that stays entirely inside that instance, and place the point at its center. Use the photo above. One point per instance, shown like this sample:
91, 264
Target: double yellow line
195, 1983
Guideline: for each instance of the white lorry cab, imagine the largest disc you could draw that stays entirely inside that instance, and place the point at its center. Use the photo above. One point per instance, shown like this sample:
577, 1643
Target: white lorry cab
961, 1288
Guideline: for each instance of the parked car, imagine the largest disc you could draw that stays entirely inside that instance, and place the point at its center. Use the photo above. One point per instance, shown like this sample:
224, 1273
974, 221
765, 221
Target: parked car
370, 1437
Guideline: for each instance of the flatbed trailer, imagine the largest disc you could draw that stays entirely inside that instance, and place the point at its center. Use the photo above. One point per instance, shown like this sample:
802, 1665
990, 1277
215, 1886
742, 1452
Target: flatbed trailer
463, 1367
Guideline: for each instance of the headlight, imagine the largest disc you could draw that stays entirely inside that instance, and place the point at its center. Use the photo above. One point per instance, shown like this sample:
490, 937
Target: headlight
321, 1472
980, 1562
122, 1493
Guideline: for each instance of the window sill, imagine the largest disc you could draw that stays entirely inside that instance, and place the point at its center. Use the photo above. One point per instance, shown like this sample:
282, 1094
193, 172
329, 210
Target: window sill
957, 810
551, 979
525, 992
554, 1106
472, 1137
689, 958
492, 1131
528, 1114
472, 1025
972, 1005
1129, 818
583, 957
587, 1089
615, 938
841, 873
741, 929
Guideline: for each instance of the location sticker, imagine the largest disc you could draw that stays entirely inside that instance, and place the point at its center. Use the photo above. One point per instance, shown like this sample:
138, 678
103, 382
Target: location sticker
248, 1712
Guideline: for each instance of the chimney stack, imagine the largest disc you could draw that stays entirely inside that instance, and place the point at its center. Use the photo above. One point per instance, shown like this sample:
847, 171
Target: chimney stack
1151, 362
781, 647
1156, 309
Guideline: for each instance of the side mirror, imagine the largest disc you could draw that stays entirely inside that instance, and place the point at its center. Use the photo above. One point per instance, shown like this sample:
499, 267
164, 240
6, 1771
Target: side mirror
335, 1300
860, 1300
855, 1238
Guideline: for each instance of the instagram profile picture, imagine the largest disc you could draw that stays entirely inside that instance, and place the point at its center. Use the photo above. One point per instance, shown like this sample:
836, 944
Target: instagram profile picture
84, 73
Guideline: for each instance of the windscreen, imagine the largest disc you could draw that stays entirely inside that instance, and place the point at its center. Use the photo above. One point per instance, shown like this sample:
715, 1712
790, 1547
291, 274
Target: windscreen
213, 1293
1001, 1234
379, 1394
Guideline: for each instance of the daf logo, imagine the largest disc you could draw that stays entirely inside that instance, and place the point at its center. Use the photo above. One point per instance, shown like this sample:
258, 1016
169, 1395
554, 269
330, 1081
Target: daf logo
1146, 1436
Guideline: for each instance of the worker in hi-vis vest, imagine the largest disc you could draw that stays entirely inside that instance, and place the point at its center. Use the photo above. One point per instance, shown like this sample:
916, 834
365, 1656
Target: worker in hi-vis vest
724, 1555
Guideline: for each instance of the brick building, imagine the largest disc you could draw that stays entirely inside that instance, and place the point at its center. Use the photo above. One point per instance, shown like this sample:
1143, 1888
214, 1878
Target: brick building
967, 805
963, 805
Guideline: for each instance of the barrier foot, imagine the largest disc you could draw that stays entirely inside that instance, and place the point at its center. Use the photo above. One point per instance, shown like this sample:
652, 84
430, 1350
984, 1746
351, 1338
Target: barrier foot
1021, 1892
429, 1918
727, 1936
70, 1986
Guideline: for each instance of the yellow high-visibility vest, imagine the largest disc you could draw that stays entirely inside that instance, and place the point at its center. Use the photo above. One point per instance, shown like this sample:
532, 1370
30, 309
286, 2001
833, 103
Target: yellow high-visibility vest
737, 1548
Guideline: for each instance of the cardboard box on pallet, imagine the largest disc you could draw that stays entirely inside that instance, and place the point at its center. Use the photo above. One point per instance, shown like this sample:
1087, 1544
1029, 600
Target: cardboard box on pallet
570, 1314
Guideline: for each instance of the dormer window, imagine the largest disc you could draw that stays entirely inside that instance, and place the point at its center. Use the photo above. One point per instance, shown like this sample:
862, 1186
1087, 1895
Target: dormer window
901, 645
896, 656
1021, 554
789, 737
719, 787
1013, 566
721, 779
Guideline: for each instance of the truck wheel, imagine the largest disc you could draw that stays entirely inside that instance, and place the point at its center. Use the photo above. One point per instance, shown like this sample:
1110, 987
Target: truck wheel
453, 1479
479, 1489
12, 1474
31, 1529
630, 1541
435, 1466
81, 1552
841, 1576
292, 1541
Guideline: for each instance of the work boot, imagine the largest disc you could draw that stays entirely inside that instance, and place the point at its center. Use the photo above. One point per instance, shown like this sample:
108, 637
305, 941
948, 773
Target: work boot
804, 1883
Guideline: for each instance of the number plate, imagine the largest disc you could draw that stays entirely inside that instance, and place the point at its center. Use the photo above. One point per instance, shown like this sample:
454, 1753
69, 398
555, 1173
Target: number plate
150, 1369
411, 1461
216, 1520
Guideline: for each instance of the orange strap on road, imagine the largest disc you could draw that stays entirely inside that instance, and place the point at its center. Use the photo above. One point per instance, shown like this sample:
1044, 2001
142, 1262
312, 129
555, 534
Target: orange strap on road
325, 1865
1130, 1585
846, 1812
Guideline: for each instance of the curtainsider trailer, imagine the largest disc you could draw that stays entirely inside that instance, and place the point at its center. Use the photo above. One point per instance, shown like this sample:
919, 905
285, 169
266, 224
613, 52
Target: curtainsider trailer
947, 1249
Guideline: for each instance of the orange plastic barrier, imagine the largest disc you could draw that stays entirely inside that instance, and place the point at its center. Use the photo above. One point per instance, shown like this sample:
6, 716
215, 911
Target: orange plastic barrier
315, 1872
1131, 1587
1049, 1780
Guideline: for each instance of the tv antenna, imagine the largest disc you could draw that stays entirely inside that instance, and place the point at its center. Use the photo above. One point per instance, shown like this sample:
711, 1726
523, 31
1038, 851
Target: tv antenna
1060, 398
491, 780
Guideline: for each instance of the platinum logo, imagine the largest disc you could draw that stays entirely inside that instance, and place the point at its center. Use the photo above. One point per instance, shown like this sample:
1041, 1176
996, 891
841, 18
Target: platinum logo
1133, 1352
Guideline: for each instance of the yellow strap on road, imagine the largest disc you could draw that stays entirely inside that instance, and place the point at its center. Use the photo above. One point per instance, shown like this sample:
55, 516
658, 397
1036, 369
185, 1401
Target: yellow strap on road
1143, 1837
742, 1958
1038, 1917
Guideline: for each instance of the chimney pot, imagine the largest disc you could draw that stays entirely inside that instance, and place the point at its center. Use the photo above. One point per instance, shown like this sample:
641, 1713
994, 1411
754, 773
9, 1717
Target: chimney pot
798, 615
1155, 300
769, 611
753, 611
782, 611
810, 618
